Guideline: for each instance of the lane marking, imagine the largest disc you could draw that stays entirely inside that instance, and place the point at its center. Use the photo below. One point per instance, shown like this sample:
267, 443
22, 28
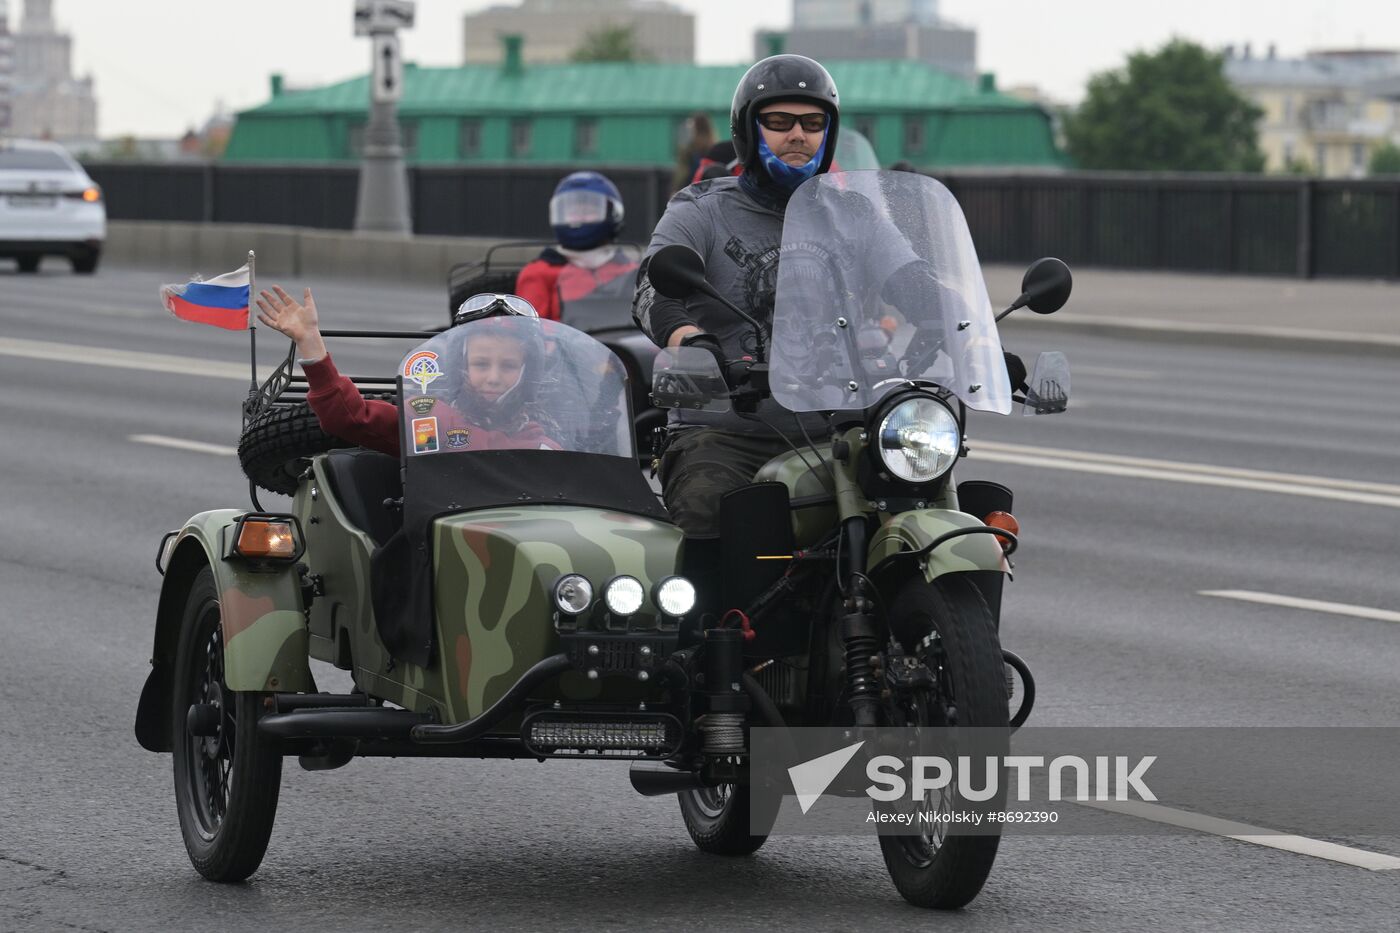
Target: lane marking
1317, 337
1315, 487
1113, 372
126, 359
1243, 832
160, 440
1313, 605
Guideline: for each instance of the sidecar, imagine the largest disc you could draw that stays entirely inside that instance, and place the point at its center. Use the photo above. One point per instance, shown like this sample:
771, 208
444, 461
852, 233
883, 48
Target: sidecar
507, 587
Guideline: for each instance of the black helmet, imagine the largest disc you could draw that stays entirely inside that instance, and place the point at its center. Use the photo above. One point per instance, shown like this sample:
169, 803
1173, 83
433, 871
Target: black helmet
781, 77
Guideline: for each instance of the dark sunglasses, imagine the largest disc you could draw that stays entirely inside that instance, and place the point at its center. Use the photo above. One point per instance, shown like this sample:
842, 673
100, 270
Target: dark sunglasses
780, 122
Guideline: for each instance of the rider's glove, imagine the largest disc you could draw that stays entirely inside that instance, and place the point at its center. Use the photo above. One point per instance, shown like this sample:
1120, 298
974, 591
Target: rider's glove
711, 343
1015, 371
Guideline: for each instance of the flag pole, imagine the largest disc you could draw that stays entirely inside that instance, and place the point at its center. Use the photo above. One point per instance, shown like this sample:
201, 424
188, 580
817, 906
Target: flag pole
252, 328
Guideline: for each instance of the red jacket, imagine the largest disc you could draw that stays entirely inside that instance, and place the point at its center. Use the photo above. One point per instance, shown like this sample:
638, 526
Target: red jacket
541, 284
345, 414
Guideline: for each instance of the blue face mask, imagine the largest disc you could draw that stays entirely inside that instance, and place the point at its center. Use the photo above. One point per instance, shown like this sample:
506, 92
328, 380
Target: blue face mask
787, 176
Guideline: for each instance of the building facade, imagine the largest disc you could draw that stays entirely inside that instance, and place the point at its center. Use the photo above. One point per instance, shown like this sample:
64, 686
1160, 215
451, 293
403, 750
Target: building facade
552, 29
844, 14
635, 114
7, 68
47, 102
1324, 113
874, 29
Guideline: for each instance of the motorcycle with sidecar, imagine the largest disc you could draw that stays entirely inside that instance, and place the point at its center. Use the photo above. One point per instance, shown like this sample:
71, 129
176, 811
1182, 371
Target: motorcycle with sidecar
534, 602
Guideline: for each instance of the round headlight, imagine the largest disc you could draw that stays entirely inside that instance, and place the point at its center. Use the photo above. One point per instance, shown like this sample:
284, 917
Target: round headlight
573, 593
675, 596
623, 596
919, 439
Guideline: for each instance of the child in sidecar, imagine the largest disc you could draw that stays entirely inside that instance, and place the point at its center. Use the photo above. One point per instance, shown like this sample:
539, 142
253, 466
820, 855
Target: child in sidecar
490, 411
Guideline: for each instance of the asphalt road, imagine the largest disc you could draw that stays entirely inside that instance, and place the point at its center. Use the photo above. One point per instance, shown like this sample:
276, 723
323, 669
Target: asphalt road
1119, 542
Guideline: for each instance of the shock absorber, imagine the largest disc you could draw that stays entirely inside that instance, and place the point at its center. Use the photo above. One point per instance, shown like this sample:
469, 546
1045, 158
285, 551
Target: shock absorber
723, 725
862, 643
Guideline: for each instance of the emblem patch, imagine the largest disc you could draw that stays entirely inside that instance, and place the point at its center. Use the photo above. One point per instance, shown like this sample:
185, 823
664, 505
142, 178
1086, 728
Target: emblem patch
422, 368
457, 438
425, 435
422, 405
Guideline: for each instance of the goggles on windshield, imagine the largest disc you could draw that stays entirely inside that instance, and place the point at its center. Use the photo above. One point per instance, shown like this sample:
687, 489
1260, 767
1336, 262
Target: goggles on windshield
574, 208
780, 122
489, 305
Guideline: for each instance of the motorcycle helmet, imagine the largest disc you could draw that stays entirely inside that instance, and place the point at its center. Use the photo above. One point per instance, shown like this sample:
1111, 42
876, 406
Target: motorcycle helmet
507, 321
782, 77
585, 211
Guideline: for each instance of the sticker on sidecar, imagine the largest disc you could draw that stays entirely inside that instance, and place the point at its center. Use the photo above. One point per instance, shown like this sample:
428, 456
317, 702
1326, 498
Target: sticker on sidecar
422, 405
422, 368
457, 438
425, 435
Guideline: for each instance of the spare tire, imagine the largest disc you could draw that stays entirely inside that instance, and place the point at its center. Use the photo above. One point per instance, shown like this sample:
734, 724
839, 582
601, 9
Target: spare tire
278, 444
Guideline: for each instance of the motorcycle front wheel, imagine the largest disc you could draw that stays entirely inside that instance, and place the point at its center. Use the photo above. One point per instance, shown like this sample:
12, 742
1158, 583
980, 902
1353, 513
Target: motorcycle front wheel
717, 819
934, 869
226, 784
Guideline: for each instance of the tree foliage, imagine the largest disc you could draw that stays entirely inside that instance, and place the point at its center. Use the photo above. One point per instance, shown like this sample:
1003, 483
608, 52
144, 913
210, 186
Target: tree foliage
610, 43
1385, 160
1169, 110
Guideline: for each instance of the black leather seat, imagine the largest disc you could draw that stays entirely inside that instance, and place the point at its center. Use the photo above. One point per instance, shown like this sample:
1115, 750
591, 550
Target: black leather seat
361, 480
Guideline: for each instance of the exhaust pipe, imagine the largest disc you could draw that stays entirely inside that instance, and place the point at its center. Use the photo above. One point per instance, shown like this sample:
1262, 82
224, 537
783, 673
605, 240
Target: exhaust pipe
651, 779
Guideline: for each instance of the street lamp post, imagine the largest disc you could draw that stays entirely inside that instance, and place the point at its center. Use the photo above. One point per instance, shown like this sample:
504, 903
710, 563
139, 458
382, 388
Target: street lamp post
382, 205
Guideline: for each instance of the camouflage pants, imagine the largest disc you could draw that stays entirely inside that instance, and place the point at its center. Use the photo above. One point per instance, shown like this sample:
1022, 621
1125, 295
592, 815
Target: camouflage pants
700, 465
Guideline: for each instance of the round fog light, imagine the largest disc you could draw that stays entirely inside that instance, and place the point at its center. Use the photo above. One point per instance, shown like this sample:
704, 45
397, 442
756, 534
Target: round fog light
623, 596
573, 593
675, 596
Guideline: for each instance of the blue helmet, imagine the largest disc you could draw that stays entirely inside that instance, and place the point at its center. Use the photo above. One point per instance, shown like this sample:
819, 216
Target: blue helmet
585, 211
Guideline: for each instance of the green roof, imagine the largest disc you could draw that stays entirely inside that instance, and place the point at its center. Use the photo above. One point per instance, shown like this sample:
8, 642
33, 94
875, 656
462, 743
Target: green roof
608, 87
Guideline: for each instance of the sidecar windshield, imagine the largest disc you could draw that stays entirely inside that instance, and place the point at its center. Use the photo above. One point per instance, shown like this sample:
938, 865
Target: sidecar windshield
599, 298
514, 383
878, 284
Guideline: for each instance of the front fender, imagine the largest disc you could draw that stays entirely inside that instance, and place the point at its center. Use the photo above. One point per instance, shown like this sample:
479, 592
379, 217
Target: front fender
265, 635
916, 530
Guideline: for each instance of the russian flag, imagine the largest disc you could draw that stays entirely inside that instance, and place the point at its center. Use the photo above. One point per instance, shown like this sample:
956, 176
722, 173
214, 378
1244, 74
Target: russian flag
221, 301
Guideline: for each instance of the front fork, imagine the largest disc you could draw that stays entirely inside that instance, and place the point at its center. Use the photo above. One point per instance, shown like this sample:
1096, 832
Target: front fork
859, 635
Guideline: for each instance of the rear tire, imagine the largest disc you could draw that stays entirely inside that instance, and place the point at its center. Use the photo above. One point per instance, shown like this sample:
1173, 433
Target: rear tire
226, 785
85, 262
947, 872
28, 263
277, 446
717, 819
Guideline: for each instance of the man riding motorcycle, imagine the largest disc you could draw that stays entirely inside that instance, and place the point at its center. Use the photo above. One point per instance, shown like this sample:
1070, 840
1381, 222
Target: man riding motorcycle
586, 214
784, 120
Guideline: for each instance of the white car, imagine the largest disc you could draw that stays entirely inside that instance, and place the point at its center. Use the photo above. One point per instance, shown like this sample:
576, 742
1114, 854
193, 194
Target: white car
48, 207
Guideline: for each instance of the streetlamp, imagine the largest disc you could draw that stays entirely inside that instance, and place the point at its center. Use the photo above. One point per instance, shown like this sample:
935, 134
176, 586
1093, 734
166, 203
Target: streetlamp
382, 205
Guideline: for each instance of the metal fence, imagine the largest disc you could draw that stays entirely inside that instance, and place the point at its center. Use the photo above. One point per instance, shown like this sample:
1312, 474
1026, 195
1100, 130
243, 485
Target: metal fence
1198, 223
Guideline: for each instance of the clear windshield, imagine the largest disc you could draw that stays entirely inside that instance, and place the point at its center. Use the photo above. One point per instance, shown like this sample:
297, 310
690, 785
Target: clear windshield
511, 383
599, 298
854, 152
878, 284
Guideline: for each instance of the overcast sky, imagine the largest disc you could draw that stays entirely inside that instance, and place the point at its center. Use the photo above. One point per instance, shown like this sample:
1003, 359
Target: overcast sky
161, 65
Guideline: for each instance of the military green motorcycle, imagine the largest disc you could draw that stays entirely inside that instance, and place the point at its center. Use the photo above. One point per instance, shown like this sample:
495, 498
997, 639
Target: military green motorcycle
510, 586
885, 607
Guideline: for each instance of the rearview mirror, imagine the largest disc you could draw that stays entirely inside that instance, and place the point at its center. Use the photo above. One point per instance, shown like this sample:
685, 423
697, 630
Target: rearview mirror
1046, 286
677, 271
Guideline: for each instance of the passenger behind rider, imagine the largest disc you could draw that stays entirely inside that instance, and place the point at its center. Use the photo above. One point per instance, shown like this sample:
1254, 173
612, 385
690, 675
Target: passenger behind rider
586, 214
492, 405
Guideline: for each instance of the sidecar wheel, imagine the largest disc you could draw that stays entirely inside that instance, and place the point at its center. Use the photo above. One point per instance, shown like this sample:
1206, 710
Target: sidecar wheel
277, 445
934, 869
717, 819
226, 785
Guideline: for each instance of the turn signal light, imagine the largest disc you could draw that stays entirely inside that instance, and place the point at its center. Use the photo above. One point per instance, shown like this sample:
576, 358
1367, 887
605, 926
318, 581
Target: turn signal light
1006, 522
92, 194
264, 540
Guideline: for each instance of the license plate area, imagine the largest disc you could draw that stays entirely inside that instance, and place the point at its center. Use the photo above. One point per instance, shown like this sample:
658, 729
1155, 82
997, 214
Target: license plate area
33, 201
